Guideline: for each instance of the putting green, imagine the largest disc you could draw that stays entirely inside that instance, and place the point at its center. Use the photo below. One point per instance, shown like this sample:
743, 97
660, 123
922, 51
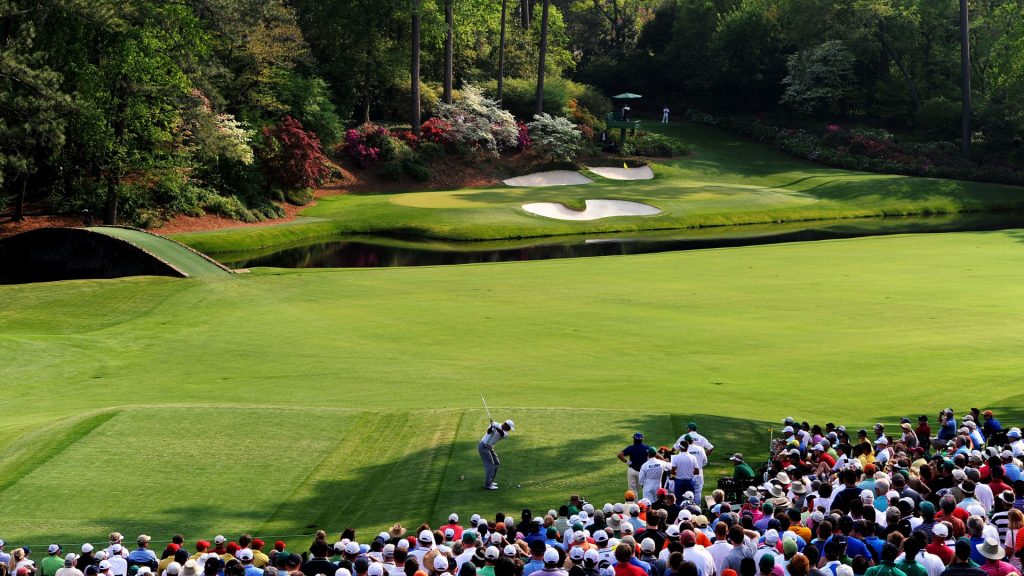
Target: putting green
288, 399
725, 181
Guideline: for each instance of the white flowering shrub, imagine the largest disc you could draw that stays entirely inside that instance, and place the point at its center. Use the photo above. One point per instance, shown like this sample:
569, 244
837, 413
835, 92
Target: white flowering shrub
555, 137
478, 123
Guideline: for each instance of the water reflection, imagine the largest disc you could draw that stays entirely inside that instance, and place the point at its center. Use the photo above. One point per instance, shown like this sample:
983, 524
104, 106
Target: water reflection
373, 252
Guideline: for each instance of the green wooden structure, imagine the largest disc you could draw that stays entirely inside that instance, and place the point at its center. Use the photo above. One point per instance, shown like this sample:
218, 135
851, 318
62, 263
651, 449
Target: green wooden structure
615, 120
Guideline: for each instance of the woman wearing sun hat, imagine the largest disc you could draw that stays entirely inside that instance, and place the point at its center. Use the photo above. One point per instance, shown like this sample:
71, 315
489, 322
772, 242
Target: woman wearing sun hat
994, 553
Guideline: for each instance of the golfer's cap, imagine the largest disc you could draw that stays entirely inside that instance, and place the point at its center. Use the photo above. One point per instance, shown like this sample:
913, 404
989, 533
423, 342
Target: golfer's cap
244, 555
511, 425
550, 556
426, 537
86, 548
218, 539
737, 457
105, 565
600, 536
492, 553
576, 554
510, 551
53, 549
638, 436
440, 563
591, 555
376, 569
940, 530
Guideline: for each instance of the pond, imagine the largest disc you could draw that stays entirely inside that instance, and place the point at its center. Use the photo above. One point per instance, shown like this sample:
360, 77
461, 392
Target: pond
377, 251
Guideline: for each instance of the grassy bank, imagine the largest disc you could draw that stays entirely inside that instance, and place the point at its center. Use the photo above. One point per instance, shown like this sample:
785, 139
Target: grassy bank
284, 400
725, 181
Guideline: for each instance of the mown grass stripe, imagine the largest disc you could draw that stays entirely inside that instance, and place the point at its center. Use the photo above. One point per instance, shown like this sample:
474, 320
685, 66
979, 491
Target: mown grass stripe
35, 449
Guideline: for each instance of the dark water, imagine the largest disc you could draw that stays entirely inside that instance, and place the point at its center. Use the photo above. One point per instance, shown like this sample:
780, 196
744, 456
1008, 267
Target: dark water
371, 252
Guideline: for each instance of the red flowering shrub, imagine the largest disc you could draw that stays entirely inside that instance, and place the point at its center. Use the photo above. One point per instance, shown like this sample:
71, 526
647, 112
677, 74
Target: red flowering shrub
295, 158
408, 137
523, 140
437, 131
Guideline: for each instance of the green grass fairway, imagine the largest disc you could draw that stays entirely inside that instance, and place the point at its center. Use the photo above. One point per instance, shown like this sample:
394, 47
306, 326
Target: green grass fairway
283, 400
725, 181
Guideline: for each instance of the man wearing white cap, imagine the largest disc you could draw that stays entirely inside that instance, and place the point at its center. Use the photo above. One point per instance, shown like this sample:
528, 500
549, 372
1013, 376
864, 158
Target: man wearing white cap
551, 564
52, 562
118, 563
245, 556
494, 434
69, 566
1016, 443
424, 544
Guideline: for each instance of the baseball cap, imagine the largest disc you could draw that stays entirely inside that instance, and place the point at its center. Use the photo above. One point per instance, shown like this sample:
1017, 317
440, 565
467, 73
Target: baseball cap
737, 457
244, 555
551, 556
143, 539
474, 519
342, 572
116, 549
577, 553
218, 539
105, 565
449, 533
388, 551
591, 555
440, 563
352, 548
70, 559
600, 536
510, 551
492, 553
511, 425
53, 549
426, 537
638, 436
453, 518
376, 569
86, 548
940, 530
173, 568
647, 545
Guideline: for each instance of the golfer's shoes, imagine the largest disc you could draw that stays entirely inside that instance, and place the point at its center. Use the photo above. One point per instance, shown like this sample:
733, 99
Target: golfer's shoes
492, 486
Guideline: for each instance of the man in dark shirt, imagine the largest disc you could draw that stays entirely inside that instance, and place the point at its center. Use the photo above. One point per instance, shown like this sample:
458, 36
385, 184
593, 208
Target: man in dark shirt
842, 500
634, 456
962, 565
318, 564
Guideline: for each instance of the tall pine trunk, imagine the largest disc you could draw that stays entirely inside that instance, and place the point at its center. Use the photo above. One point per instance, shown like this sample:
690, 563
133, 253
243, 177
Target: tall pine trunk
501, 52
524, 13
449, 48
965, 73
542, 60
19, 203
414, 117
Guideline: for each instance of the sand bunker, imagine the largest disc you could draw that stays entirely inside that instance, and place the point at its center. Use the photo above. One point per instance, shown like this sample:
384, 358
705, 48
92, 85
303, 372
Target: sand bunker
551, 178
596, 209
641, 173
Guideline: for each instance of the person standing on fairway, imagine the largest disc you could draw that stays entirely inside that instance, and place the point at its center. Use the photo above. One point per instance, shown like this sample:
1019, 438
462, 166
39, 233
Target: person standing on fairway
634, 456
495, 433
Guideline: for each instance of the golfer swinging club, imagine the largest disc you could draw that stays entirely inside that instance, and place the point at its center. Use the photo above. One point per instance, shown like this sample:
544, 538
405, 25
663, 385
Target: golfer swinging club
494, 434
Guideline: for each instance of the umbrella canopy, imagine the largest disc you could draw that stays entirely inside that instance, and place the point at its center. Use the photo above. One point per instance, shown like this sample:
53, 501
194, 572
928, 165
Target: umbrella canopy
627, 96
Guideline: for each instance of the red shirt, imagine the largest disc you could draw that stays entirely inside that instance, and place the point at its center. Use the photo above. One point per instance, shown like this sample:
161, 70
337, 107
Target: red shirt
942, 551
998, 487
456, 528
628, 569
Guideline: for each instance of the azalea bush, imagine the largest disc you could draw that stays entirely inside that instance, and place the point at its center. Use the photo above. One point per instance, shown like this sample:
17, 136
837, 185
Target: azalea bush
654, 145
478, 124
437, 131
555, 137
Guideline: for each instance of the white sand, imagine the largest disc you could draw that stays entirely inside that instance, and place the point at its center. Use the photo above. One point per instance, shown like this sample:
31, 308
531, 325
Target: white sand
641, 173
596, 209
551, 178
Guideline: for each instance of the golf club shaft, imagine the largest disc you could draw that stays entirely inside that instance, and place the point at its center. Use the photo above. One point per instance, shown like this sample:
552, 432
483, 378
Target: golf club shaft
486, 408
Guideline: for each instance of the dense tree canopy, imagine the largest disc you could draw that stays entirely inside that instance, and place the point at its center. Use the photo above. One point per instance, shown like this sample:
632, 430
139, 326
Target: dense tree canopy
144, 109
